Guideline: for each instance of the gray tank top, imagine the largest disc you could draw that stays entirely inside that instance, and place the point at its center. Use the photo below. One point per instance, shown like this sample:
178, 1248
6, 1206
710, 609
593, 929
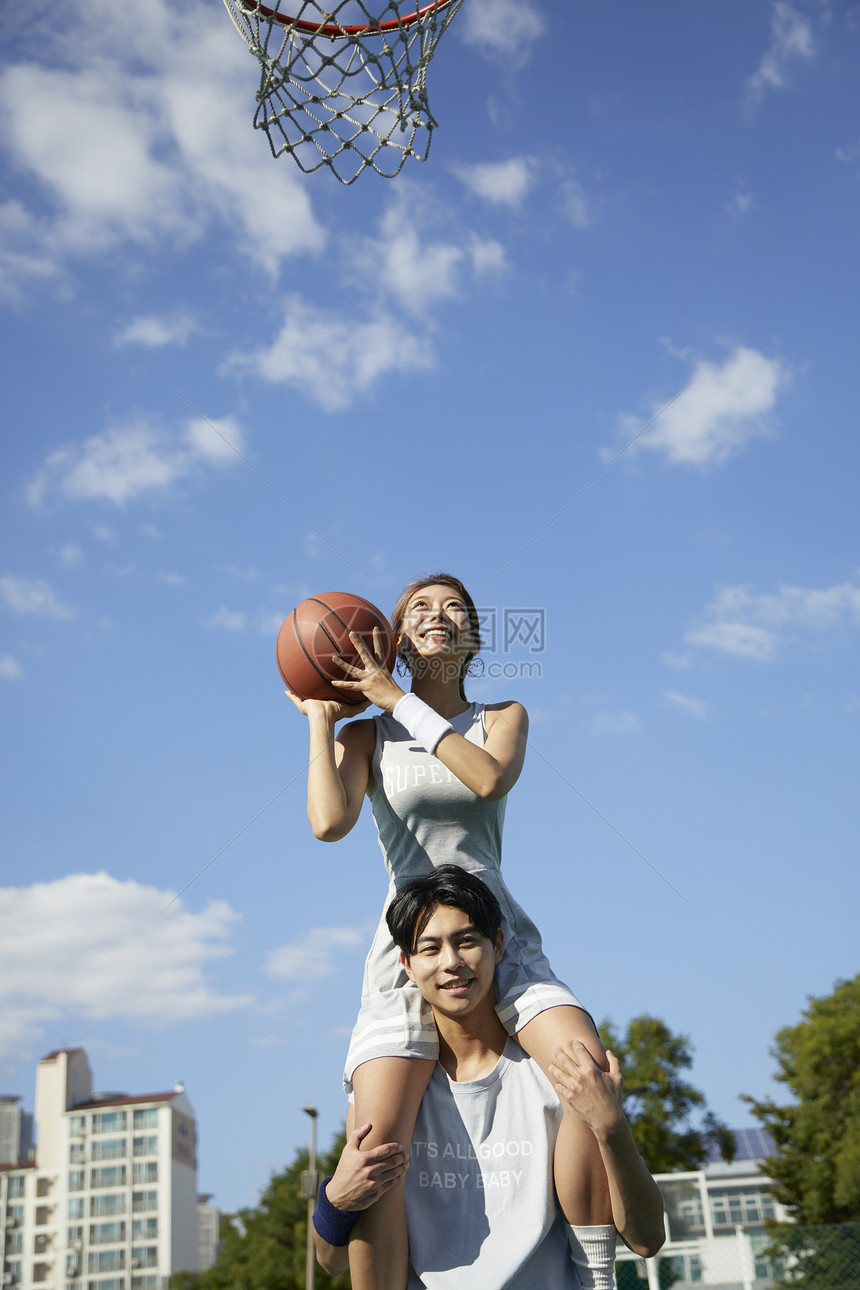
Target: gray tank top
425, 816
480, 1202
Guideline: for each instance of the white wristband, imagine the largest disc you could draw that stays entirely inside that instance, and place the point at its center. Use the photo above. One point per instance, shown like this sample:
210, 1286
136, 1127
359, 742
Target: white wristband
423, 723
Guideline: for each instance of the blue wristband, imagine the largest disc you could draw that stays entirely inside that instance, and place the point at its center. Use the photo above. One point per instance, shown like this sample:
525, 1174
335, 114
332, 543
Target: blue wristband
332, 1224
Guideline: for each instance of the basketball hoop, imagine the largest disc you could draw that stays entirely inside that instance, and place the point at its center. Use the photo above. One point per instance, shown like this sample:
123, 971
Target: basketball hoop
340, 93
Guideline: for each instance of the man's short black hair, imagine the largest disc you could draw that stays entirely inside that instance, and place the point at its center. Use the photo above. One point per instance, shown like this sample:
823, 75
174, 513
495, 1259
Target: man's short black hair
415, 903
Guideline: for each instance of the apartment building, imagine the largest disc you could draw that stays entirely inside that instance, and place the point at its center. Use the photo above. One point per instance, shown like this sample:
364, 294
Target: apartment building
716, 1225
109, 1199
16, 1131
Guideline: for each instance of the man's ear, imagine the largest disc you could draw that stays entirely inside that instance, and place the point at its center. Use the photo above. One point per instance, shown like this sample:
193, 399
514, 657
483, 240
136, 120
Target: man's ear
407, 969
500, 944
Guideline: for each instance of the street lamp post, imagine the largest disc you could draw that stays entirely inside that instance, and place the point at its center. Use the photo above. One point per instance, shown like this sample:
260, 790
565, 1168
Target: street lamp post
310, 1186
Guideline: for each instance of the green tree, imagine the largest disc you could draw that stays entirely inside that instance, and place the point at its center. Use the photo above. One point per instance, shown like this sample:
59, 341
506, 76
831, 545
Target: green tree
671, 1126
264, 1248
816, 1166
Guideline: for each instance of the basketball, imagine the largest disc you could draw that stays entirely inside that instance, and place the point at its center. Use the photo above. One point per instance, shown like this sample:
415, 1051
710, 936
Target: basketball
319, 628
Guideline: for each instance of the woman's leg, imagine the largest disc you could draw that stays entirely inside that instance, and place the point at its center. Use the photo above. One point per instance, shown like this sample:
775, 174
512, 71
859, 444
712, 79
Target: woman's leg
580, 1178
388, 1092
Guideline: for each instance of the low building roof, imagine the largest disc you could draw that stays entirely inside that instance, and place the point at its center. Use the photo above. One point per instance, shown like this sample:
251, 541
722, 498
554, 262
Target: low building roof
123, 1099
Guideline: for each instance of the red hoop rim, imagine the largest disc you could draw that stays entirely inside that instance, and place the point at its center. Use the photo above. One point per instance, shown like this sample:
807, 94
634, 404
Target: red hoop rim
333, 29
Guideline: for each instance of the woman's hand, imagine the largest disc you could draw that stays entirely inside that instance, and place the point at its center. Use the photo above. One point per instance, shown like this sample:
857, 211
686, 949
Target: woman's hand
330, 709
591, 1093
373, 679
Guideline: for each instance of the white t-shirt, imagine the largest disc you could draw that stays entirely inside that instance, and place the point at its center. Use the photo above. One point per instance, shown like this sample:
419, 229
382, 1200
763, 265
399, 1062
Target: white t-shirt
480, 1199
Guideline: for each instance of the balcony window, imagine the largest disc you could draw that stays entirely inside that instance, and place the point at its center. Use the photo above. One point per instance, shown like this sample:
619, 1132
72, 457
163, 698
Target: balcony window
40, 1272
106, 1261
76, 1180
107, 1233
76, 1207
108, 1205
77, 1125
107, 1176
144, 1201
147, 1119
109, 1121
145, 1172
16, 1186
109, 1149
144, 1256
77, 1153
74, 1237
14, 1215
44, 1186
43, 1215
144, 1229
110, 1283
148, 1282
14, 1242
146, 1145
736, 1206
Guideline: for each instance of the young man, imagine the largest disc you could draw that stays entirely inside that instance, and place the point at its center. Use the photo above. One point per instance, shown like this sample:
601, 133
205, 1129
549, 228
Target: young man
479, 1192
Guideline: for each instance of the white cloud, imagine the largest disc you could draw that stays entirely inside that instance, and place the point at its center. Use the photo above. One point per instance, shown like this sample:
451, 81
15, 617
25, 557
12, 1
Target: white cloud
33, 596
217, 439
680, 661
614, 723
791, 41
232, 620
502, 29
313, 954
741, 203
406, 262
575, 202
132, 458
487, 256
171, 579
129, 148
70, 555
10, 668
269, 624
154, 333
744, 640
92, 946
503, 183
687, 704
724, 408
748, 624
332, 359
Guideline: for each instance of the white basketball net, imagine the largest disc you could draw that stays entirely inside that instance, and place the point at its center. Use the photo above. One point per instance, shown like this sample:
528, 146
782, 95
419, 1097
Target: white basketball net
348, 99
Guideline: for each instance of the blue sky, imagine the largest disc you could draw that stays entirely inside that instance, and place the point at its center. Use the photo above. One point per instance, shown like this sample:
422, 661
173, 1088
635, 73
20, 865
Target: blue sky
436, 371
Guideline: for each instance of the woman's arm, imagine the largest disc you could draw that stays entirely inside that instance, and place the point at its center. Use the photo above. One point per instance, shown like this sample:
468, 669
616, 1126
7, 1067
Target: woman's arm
338, 769
491, 771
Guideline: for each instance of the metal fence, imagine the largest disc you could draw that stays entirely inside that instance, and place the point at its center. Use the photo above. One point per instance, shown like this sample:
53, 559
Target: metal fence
781, 1258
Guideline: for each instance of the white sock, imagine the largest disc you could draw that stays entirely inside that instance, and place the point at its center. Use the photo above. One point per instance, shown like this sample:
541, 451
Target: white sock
593, 1252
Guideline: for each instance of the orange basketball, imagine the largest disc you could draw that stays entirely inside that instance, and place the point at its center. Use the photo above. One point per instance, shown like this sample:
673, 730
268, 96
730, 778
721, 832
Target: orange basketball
319, 628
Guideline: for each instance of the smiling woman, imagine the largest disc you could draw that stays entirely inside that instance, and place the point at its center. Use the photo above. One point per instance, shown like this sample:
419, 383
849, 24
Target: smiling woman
437, 770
